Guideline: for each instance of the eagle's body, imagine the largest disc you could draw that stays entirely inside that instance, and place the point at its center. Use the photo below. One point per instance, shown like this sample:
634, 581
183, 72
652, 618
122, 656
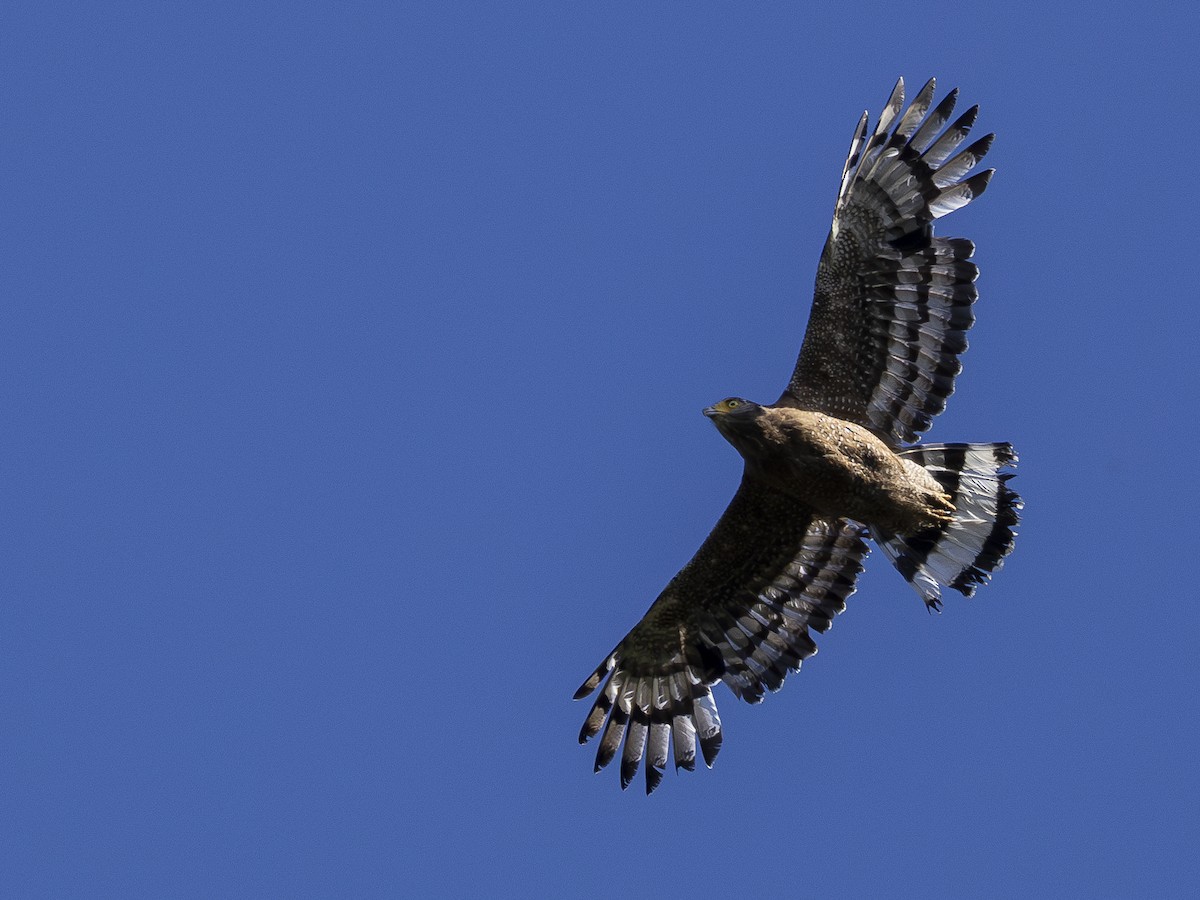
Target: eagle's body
836, 468
833, 461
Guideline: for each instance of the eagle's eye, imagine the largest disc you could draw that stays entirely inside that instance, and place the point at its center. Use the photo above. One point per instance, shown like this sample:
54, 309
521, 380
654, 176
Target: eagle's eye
732, 403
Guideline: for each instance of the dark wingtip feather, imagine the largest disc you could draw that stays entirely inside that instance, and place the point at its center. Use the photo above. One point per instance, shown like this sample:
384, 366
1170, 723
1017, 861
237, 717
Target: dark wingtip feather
584, 689
629, 769
654, 777
592, 724
593, 680
710, 747
981, 147
604, 756
614, 731
966, 121
586, 733
980, 182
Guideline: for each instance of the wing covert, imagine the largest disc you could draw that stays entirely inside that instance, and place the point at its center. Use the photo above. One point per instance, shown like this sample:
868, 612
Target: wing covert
893, 303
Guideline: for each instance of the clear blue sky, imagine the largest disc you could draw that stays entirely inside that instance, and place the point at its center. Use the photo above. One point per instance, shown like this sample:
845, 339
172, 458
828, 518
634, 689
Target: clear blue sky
353, 363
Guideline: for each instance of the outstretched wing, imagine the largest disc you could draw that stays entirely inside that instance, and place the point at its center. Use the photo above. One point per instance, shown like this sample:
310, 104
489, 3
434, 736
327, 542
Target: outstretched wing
738, 612
893, 303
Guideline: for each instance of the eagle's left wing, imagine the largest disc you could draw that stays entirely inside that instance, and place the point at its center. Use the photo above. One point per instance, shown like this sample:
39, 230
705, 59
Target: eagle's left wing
893, 303
738, 612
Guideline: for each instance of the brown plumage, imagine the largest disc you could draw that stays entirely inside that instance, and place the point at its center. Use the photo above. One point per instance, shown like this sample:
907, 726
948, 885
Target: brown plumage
826, 464
837, 468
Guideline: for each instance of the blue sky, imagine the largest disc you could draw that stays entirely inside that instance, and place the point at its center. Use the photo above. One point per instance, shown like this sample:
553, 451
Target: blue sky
353, 364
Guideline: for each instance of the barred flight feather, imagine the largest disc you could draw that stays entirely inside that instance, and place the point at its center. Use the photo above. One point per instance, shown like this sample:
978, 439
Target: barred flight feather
858, 361
752, 647
933, 123
951, 138
761, 648
911, 120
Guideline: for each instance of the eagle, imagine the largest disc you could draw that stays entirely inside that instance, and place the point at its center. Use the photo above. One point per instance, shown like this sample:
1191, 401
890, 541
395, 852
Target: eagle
833, 461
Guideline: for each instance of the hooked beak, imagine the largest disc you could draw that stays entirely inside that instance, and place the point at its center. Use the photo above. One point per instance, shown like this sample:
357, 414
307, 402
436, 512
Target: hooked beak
711, 411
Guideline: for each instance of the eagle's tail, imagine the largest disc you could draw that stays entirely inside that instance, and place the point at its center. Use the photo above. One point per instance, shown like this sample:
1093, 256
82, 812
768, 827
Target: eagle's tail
963, 553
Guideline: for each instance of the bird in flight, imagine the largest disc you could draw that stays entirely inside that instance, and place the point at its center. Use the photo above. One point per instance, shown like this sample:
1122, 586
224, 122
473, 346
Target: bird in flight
833, 461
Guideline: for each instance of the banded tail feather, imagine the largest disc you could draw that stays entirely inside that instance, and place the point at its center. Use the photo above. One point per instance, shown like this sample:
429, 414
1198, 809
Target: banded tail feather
964, 553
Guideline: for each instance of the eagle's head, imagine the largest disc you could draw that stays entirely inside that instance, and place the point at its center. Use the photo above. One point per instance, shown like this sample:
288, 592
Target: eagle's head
737, 420
731, 406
